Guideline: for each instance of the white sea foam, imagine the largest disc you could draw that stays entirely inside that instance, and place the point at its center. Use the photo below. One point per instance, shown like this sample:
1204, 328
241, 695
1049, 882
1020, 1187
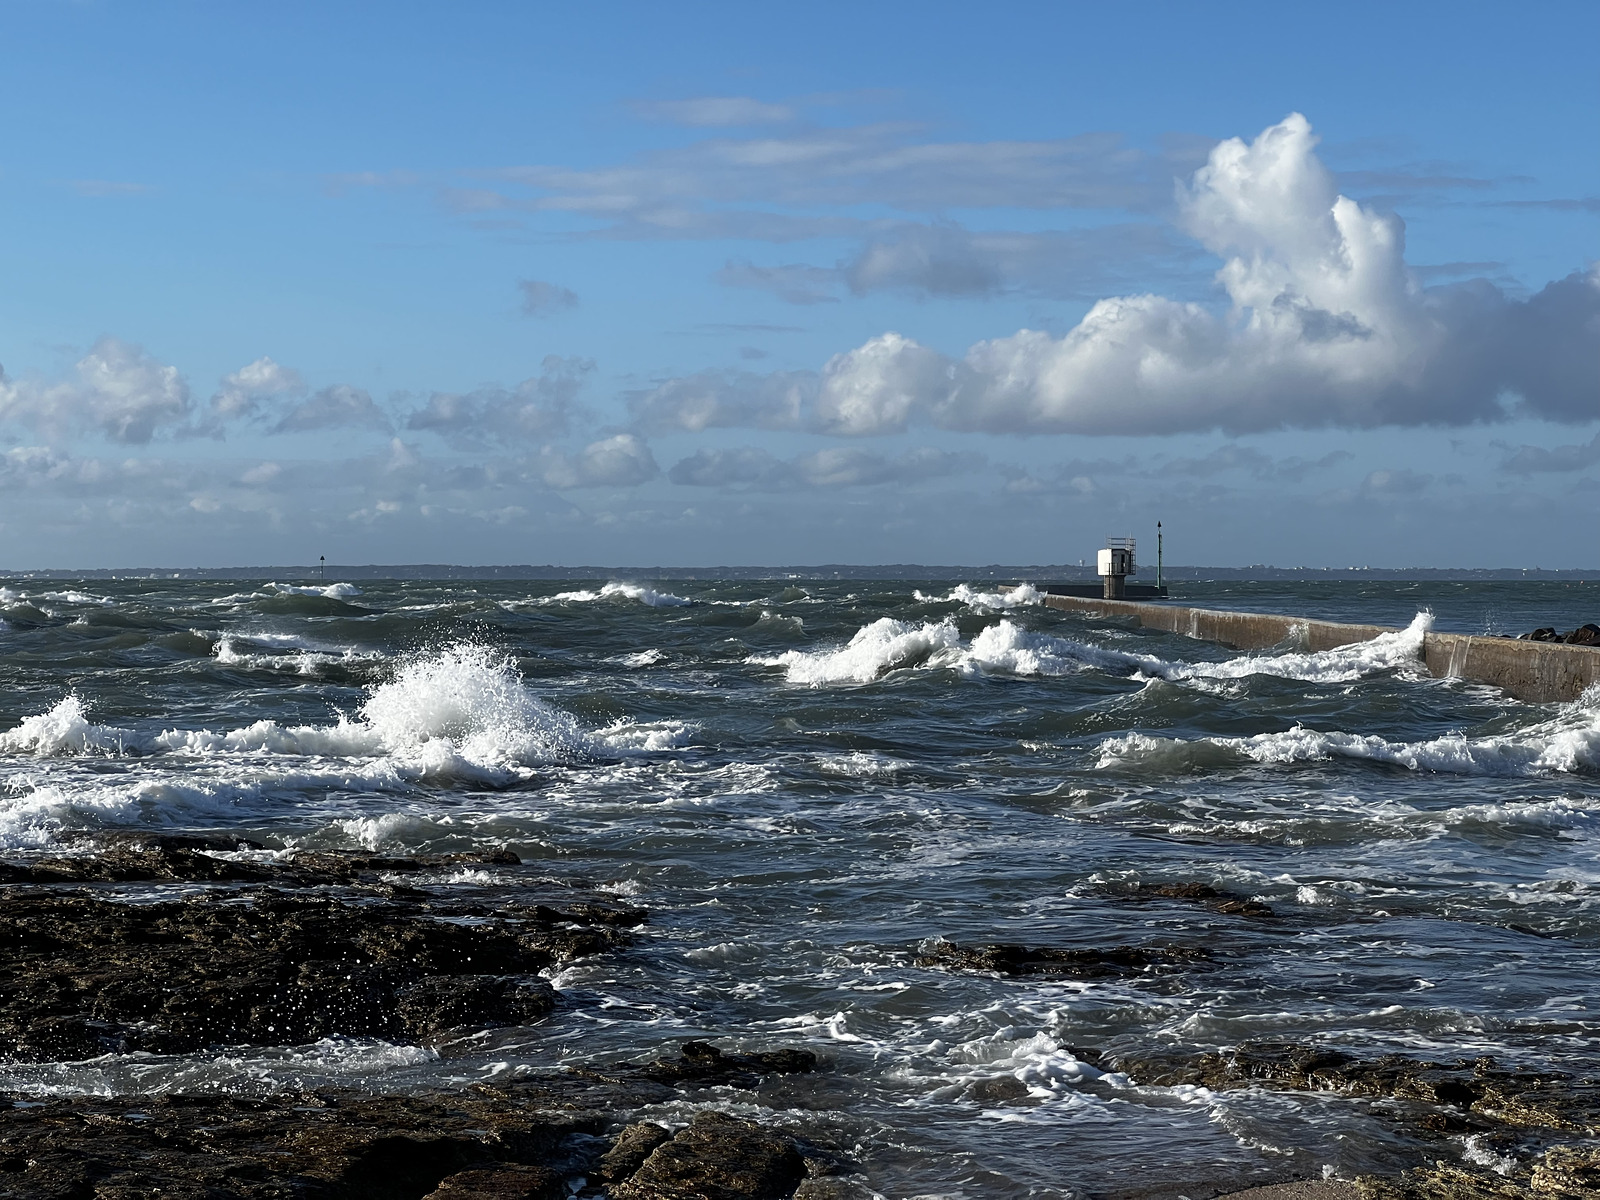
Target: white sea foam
458, 715
64, 729
624, 591
1018, 597
295, 659
332, 591
644, 658
859, 764
876, 649
1565, 743
74, 597
650, 737
1006, 648
1388, 651
464, 707
263, 1070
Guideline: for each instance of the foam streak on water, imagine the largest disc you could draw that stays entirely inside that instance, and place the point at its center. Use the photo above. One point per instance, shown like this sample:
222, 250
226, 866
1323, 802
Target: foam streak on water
808, 786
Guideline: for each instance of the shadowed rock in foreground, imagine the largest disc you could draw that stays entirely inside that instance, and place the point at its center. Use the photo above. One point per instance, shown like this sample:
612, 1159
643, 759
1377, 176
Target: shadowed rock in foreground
1473, 1094
284, 950
86, 975
536, 1138
1517, 1114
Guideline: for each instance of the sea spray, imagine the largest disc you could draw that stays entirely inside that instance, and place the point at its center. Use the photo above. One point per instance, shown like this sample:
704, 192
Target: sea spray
1006, 648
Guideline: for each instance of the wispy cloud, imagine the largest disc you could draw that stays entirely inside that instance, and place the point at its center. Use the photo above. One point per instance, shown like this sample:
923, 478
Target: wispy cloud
542, 299
711, 111
1528, 460
754, 469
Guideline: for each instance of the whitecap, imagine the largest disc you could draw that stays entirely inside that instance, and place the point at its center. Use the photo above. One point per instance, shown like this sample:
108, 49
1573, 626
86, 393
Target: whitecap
1022, 595
644, 658
1006, 648
332, 591
876, 649
64, 729
1566, 743
75, 597
625, 591
463, 708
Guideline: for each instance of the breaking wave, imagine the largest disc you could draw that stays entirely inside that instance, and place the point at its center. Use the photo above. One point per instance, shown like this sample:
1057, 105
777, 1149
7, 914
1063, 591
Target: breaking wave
331, 591
1567, 743
1018, 597
288, 655
461, 710
1006, 648
625, 591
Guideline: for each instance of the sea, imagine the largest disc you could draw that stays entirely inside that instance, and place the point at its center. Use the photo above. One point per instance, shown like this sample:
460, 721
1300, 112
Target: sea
810, 784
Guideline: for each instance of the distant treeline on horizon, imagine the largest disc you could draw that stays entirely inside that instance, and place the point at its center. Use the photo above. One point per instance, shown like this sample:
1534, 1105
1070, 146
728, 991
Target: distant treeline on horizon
1038, 573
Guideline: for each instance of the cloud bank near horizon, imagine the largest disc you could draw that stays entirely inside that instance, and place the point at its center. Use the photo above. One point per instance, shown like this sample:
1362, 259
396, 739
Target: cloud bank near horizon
1325, 326
1321, 324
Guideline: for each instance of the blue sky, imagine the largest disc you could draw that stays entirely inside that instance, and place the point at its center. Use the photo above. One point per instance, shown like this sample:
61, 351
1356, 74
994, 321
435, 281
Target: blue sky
833, 283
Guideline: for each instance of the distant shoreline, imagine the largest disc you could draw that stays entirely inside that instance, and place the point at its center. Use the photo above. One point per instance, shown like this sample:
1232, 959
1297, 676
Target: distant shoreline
826, 571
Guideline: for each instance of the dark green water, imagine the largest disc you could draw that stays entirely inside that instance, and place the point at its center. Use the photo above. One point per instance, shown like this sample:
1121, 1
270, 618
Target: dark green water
805, 783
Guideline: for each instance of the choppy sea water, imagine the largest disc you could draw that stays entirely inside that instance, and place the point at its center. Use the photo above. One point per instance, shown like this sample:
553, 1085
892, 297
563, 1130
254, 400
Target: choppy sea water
806, 782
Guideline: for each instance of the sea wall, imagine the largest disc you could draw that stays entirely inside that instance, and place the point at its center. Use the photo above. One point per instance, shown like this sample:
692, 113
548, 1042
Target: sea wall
1539, 672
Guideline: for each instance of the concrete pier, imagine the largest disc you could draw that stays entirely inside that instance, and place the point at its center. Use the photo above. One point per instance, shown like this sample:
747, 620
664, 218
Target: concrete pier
1539, 672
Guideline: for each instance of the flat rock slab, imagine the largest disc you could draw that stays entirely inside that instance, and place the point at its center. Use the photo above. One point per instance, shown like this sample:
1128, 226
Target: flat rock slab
1527, 1117
328, 949
530, 1139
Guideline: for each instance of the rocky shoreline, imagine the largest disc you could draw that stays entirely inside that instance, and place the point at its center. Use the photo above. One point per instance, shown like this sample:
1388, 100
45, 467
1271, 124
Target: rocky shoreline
230, 945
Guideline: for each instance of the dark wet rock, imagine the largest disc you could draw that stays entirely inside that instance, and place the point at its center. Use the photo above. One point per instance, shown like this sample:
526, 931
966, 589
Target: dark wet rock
1008, 959
437, 1004
718, 1157
1562, 1173
1000, 1088
141, 860
1511, 1111
1583, 635
134, 856
306, 1146
700, 1064
85, 974
507, 1182
1203, 894
1515, 1097
531, 1138
629, 1149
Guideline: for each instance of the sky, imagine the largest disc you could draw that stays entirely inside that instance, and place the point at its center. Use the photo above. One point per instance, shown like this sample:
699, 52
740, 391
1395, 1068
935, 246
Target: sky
827, 283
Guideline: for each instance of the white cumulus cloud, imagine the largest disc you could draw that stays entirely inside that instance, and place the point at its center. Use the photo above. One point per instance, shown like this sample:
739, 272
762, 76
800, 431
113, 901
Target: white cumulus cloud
339, 406
116, 389
536, 407
618, 461
1325, 325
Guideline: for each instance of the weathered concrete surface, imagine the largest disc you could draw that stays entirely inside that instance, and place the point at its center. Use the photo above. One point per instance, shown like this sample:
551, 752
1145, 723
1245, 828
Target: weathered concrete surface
1539, 672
